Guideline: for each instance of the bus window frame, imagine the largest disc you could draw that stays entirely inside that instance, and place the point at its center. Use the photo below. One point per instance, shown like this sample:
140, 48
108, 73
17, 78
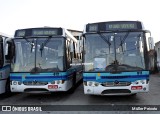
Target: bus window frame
1, 52
39, 37
145, 43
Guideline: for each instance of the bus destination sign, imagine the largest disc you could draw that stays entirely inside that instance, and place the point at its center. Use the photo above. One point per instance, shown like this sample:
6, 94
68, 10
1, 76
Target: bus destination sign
113, 26
120, 26
44, 32
38, 32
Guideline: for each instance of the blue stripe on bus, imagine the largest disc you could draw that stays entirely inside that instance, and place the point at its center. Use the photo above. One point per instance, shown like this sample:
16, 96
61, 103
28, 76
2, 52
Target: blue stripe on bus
120, 77
15, 77
40, 76
36, 76
118, 74
107, 80
124, 76
89, 78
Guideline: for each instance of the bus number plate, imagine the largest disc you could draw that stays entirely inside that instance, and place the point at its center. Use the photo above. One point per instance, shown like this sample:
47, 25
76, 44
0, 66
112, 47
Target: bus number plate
52, 86
136, 87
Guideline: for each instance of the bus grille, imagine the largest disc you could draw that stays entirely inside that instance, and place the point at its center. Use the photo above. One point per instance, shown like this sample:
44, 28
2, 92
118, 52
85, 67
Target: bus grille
114, 91
35, 90
35, 83
110, 84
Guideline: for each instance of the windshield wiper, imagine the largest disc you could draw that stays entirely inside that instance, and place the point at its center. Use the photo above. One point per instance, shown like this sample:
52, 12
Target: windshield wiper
124, 38
104, 38
44, 44
31, 43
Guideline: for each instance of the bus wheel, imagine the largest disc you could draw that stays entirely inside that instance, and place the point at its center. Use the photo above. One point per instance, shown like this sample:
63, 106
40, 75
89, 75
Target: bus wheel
7, 88
71, 90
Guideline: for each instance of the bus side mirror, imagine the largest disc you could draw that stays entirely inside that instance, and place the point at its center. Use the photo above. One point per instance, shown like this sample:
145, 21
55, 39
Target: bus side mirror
151, 43
10, 50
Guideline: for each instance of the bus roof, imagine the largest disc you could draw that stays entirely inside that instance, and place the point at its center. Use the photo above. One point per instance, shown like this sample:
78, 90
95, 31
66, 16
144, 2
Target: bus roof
43, 32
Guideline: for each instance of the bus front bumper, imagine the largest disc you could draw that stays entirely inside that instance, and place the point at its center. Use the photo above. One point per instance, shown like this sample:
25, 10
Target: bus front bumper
116, 90
40, 88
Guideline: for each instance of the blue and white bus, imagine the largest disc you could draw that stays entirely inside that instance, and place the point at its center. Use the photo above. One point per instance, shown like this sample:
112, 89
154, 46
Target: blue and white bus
4, 64
116, 59
43, 58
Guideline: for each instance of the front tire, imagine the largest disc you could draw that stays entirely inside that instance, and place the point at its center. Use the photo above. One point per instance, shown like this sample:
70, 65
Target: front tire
7, 88
72, 89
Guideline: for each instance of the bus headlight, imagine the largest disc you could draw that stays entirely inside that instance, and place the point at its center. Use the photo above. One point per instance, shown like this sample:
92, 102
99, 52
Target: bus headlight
139, 82
89, 83
96, 84
19, 83
136, 82
143, 81
14, 83
53, 82
58, 82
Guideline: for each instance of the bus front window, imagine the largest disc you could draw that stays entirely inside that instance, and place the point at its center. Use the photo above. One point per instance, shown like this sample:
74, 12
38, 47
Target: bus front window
30, 57
24, 56
50, 57
114, 52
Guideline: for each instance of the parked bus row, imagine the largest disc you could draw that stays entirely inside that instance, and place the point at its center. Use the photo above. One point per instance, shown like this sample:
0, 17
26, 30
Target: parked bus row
113, 58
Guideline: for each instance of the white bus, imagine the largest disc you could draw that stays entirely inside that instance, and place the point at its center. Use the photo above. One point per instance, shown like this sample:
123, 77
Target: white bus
43, 58
4, 64
116, 59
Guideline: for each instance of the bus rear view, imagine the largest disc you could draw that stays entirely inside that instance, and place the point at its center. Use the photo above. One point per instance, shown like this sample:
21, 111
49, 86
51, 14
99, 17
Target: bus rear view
116, 60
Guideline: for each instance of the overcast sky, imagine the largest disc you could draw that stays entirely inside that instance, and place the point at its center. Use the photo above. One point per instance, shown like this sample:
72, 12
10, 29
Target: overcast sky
74, 14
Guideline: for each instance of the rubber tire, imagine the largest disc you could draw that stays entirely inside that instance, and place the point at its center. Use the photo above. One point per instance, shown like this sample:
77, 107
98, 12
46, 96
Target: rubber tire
7, 88
72, 89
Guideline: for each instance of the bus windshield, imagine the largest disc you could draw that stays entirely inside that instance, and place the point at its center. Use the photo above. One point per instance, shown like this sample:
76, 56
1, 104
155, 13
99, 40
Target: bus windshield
39, 55
109, 52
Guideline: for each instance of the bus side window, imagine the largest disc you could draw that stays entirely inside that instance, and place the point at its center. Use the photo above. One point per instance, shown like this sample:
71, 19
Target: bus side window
68, 56
72, 51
